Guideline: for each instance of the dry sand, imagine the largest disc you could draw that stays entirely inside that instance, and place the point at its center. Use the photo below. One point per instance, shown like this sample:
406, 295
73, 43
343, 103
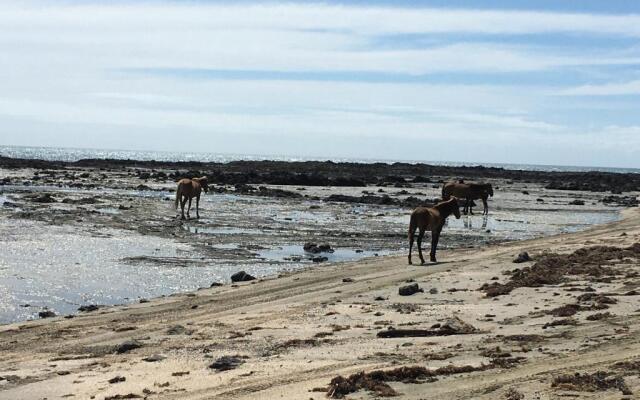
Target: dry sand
293, 334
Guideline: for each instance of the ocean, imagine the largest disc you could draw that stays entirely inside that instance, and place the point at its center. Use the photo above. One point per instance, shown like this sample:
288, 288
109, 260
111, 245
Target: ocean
73, 154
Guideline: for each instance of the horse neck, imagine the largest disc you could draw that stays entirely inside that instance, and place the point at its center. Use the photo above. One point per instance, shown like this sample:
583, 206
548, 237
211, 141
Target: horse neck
445, 208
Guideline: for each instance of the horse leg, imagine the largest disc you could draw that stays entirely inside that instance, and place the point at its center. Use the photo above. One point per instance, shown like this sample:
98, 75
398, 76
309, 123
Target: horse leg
420, 237
412, 233
435, 237
189, 209
198, 207
183, 201
469, 202
486, 206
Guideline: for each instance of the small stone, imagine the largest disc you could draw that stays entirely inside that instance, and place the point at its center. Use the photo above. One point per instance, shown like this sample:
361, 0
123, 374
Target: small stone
46, 314
178, 330
241, 276
155, 358
522, 257
117, 379
408, 290
88, 308
226, 363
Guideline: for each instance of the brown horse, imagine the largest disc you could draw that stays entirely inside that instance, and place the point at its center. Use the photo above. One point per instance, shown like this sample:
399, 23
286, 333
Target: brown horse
469, 191
432, 218
187, 190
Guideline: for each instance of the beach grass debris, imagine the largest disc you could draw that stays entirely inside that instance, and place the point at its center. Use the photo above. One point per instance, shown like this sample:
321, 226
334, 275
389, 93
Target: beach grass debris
127, 346
376, 381
595, 382
452, 326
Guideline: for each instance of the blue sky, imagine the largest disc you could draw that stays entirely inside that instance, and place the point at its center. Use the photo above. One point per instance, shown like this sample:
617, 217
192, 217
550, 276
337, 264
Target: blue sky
543, 82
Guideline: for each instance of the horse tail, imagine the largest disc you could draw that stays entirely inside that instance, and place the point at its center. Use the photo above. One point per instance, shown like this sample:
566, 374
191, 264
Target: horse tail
178, 195
413, 224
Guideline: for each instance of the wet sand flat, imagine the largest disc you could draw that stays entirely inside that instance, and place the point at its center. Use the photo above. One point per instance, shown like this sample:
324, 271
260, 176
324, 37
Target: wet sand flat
107, 234
293, 336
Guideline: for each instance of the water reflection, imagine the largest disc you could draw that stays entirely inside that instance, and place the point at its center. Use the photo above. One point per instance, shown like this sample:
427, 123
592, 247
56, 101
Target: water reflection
468, 222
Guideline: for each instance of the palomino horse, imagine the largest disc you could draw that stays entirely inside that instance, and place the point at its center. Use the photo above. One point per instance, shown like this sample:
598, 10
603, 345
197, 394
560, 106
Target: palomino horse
187, 190
431, 218
469, 191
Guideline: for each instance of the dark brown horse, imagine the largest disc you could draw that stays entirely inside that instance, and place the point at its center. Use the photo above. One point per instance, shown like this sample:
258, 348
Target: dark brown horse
469, 191
431, 218
187, 190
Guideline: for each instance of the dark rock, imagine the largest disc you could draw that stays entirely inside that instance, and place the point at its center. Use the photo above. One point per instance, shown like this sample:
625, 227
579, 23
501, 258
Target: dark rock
117, 379
127, 346
46, 314
42, 198
226, 363
154, 358
84, 200
216, 284
347, 280
311, 248
522, 257
325, 248
178, 330
88, 308
576, 202
621, 201
241, 276
319, 259
408, 290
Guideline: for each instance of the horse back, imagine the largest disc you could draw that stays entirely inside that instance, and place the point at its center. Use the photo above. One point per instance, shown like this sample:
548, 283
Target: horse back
425, 217
189, 187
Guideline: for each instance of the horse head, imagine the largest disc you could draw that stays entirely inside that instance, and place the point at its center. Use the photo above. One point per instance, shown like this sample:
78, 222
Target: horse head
204, 183
490, 189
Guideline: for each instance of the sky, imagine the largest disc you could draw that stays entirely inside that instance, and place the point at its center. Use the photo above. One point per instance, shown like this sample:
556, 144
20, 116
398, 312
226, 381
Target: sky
531, 82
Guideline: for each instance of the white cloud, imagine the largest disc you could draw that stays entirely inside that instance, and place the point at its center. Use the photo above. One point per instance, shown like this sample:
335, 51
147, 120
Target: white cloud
609, 89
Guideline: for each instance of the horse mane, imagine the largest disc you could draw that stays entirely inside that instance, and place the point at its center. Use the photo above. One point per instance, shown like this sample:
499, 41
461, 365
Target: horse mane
446, 205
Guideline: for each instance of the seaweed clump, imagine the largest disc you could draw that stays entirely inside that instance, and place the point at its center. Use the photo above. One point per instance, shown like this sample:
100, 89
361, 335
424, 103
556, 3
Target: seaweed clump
375, 381
552, 269
596, 382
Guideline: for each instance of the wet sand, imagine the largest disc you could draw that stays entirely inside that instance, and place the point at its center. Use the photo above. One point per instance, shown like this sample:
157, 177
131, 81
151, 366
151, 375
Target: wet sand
291, 336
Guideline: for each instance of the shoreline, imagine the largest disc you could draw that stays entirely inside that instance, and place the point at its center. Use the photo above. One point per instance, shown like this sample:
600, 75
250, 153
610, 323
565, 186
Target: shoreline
340, 174
332, 315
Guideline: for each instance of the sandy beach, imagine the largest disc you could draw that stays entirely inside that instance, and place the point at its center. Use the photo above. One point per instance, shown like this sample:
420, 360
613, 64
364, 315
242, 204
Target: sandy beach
291, 336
